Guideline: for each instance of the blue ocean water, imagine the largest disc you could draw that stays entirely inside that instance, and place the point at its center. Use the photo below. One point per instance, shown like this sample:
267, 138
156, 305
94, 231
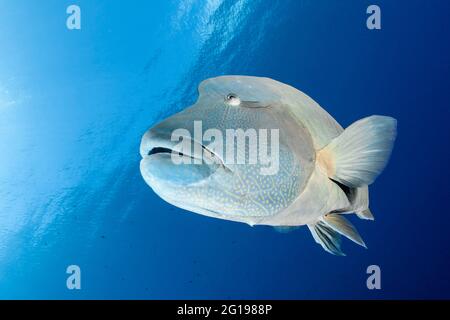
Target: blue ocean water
75, 103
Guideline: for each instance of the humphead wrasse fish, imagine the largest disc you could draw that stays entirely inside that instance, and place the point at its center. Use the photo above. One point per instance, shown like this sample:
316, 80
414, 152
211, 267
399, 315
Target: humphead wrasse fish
300, 168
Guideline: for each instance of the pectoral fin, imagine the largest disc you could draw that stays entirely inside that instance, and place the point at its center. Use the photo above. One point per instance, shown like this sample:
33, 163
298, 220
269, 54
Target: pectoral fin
359, 154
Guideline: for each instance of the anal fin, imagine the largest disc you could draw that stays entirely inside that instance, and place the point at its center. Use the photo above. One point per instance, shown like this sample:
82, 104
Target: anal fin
365, 214
344, 227
328, 238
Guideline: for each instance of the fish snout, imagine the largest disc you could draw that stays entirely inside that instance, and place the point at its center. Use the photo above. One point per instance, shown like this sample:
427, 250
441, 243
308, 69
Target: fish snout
165, 165
161, 135
152, 139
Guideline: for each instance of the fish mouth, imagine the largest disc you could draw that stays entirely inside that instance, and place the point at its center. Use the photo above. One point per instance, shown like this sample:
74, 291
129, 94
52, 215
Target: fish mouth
165, 162
207, 154
164, 150
154, 143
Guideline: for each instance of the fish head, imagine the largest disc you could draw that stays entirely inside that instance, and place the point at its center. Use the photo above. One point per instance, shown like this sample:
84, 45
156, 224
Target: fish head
235, 154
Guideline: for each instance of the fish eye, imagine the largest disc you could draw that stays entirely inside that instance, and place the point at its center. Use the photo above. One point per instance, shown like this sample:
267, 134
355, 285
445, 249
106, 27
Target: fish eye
231, 96
232, 99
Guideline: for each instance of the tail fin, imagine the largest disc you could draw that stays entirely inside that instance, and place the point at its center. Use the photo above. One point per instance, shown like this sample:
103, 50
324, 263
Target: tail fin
360, 153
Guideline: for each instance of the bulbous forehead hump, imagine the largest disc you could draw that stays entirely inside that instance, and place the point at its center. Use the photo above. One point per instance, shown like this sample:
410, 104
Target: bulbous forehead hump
245, 87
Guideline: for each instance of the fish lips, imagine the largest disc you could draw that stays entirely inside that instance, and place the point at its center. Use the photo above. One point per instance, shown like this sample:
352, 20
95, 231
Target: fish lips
164, 164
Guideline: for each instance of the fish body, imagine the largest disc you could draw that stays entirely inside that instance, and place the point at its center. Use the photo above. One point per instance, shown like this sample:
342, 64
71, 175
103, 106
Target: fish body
257, 151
